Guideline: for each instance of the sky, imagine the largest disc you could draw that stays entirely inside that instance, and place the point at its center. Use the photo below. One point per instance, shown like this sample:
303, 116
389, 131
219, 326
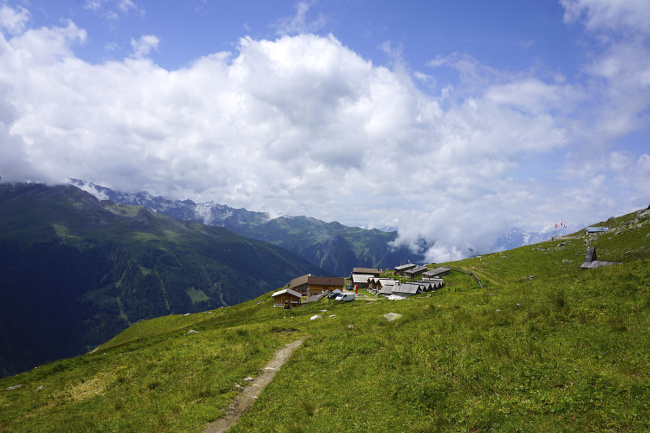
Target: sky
449, 121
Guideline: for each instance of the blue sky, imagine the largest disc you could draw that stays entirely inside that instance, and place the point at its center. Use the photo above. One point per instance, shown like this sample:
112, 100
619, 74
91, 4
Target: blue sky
452, 121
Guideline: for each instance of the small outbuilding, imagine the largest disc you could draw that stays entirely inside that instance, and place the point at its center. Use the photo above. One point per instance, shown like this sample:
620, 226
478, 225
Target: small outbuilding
437, 272
287, 297
399, 270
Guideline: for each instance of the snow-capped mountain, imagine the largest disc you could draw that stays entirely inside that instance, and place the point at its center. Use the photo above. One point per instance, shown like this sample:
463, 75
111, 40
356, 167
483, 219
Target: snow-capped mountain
517, 237
209, 213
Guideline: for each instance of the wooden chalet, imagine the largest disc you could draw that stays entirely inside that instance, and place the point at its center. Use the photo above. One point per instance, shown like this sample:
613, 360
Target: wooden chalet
414, 272
361, 280
437, 272
385, 287
375, 272
399, 270
308, 285
287, 296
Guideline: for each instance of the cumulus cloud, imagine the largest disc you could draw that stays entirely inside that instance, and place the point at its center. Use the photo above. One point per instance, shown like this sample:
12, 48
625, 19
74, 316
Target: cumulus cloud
303, 125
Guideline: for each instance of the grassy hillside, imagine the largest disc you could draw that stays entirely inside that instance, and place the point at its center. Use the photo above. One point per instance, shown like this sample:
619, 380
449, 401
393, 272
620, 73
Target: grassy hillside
76, 271
544, 346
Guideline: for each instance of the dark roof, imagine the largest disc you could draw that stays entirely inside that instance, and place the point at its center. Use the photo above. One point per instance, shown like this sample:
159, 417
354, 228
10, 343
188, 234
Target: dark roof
296, 282
436, 272
326, 281
416, 271
371, 271
318, 281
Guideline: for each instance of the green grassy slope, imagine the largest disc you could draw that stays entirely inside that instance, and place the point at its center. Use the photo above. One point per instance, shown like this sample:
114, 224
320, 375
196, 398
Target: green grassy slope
544, 346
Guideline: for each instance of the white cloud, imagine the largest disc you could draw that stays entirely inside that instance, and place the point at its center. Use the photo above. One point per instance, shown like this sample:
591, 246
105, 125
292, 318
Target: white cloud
143, 46
301, 22
13, 20
619, 15
114, 8
303, 125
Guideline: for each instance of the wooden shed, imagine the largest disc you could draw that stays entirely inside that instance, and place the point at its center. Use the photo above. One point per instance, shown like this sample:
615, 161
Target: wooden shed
281, 298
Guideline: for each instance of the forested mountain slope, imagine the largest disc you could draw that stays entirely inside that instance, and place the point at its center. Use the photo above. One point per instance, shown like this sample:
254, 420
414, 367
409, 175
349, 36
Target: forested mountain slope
76, 271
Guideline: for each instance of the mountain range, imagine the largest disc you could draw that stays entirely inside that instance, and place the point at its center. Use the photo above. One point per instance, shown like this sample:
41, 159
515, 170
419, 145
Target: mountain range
76, 271
332, 246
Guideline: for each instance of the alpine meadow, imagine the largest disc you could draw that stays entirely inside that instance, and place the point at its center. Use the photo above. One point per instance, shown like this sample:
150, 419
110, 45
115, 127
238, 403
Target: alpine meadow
543, 346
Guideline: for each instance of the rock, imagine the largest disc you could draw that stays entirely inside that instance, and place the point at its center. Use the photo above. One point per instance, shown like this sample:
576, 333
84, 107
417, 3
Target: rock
15, 386
391, 317
317, 316
186, 314
248, 379
40, 388
192, 331
332, 315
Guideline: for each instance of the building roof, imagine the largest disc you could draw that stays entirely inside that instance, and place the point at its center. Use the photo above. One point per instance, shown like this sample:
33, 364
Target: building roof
437, 271
431, 283
387, 282
360, 278
289, 291
318, 281
300, 280
371, 271
316, 297
406, 289
597, 229
404, 267
326, 281
416, 270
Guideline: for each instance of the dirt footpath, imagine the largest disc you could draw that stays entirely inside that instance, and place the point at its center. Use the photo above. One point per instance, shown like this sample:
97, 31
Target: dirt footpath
247, 397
